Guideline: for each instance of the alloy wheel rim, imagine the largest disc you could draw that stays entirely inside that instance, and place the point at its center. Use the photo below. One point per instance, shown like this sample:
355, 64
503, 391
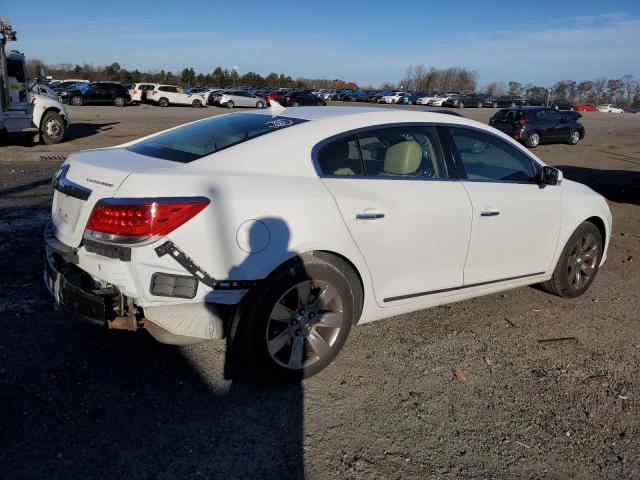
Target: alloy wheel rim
581, 265
575, 136
304, 324
535, 138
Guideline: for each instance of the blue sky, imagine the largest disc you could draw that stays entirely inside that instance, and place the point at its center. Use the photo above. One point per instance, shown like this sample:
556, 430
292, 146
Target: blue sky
538, 42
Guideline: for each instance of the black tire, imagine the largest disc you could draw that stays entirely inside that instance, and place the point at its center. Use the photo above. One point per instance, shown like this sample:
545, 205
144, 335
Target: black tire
229, 104
256, 327
321, 103
52, 128
163, 102
460, 104
494, 104
196, 103
76, 101
119, 101
569, 262
534, 140
574, 137
260, 104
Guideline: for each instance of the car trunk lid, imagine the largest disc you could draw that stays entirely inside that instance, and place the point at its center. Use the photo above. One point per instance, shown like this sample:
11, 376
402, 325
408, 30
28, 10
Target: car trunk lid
88, 177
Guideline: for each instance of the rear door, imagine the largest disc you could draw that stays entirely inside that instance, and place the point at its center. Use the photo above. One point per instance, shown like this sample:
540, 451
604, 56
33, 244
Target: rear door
411, 223
516, 220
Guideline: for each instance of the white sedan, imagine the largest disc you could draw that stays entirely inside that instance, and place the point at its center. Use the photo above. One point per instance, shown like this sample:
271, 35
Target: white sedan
284, 227
609, 108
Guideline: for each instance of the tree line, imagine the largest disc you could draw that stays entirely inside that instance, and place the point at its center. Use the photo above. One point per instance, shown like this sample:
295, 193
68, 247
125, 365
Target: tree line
218, 77
624, 91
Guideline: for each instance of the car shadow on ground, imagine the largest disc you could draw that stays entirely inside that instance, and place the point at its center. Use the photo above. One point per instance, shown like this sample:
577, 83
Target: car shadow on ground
86, 129
82, 402
620, 186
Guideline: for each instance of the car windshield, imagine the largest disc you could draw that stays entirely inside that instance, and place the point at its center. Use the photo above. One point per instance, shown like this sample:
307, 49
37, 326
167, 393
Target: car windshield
196, 140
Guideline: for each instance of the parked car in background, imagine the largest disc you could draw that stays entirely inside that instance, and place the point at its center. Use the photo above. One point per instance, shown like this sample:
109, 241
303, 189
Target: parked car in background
240, 98
633, 110
105, 93
411, 98
535, 101
308, 223
393, 97
137, 91
358, 96
585, 107
165, 95
376, 98
560, 104
301, 98
465, 100
439, 99
535, 125
424, 99
609, 108
501, 101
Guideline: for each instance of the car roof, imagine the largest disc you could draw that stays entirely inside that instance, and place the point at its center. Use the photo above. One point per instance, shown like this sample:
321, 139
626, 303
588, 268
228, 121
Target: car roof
336, 112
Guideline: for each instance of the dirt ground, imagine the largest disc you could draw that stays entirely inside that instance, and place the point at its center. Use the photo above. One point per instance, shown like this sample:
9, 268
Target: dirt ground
79, 402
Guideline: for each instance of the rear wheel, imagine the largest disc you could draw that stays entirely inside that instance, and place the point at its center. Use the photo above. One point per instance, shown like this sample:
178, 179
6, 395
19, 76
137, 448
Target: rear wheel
52, 128
578, 263
574, 137
479, 105
76, 101
119, 102
163, 102
494, 104
260, 105
533, 141
321, 103
296, 324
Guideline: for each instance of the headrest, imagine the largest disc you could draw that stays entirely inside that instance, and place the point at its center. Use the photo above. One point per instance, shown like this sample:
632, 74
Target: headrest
403, 158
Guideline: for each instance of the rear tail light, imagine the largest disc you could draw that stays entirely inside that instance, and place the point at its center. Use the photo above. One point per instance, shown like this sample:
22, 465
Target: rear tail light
132, 221
523, 121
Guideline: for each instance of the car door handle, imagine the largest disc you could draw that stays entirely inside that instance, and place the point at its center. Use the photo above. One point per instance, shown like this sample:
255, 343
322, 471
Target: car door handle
369, 215
489, 213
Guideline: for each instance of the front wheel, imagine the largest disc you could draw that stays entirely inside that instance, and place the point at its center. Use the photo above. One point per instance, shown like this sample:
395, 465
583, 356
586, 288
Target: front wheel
260, 105
76, 101
296, 104
578, 263
230, 104
196, 104
297, 322
52, 128
574, 137
163, 102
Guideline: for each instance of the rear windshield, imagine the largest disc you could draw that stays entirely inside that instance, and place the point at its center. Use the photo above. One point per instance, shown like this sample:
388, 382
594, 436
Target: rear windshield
191, 142
509, 115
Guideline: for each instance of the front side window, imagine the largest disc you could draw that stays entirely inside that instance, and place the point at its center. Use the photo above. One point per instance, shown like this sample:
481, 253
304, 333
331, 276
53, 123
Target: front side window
488, 158
199, 139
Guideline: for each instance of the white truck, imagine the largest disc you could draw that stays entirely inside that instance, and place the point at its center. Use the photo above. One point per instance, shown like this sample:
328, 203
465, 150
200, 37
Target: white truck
22, 109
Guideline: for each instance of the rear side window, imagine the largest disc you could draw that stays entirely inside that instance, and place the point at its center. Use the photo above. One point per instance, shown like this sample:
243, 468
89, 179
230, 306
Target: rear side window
486, 157
340, 157
196, 140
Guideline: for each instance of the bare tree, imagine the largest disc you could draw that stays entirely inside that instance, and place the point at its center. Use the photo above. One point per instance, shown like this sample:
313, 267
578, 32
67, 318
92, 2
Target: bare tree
599, 85
629, 86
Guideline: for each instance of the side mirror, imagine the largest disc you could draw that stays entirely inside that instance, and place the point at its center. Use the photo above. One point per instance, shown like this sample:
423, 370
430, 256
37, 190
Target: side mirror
551, 176
40, 74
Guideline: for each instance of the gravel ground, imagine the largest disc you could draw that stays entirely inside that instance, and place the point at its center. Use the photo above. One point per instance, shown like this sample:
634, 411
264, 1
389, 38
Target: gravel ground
468, 390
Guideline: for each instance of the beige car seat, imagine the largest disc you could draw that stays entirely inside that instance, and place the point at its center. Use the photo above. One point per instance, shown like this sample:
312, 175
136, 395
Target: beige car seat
402, 158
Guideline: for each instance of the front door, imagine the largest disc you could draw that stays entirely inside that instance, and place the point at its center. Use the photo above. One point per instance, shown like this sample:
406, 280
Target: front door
516, 220
410, 223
